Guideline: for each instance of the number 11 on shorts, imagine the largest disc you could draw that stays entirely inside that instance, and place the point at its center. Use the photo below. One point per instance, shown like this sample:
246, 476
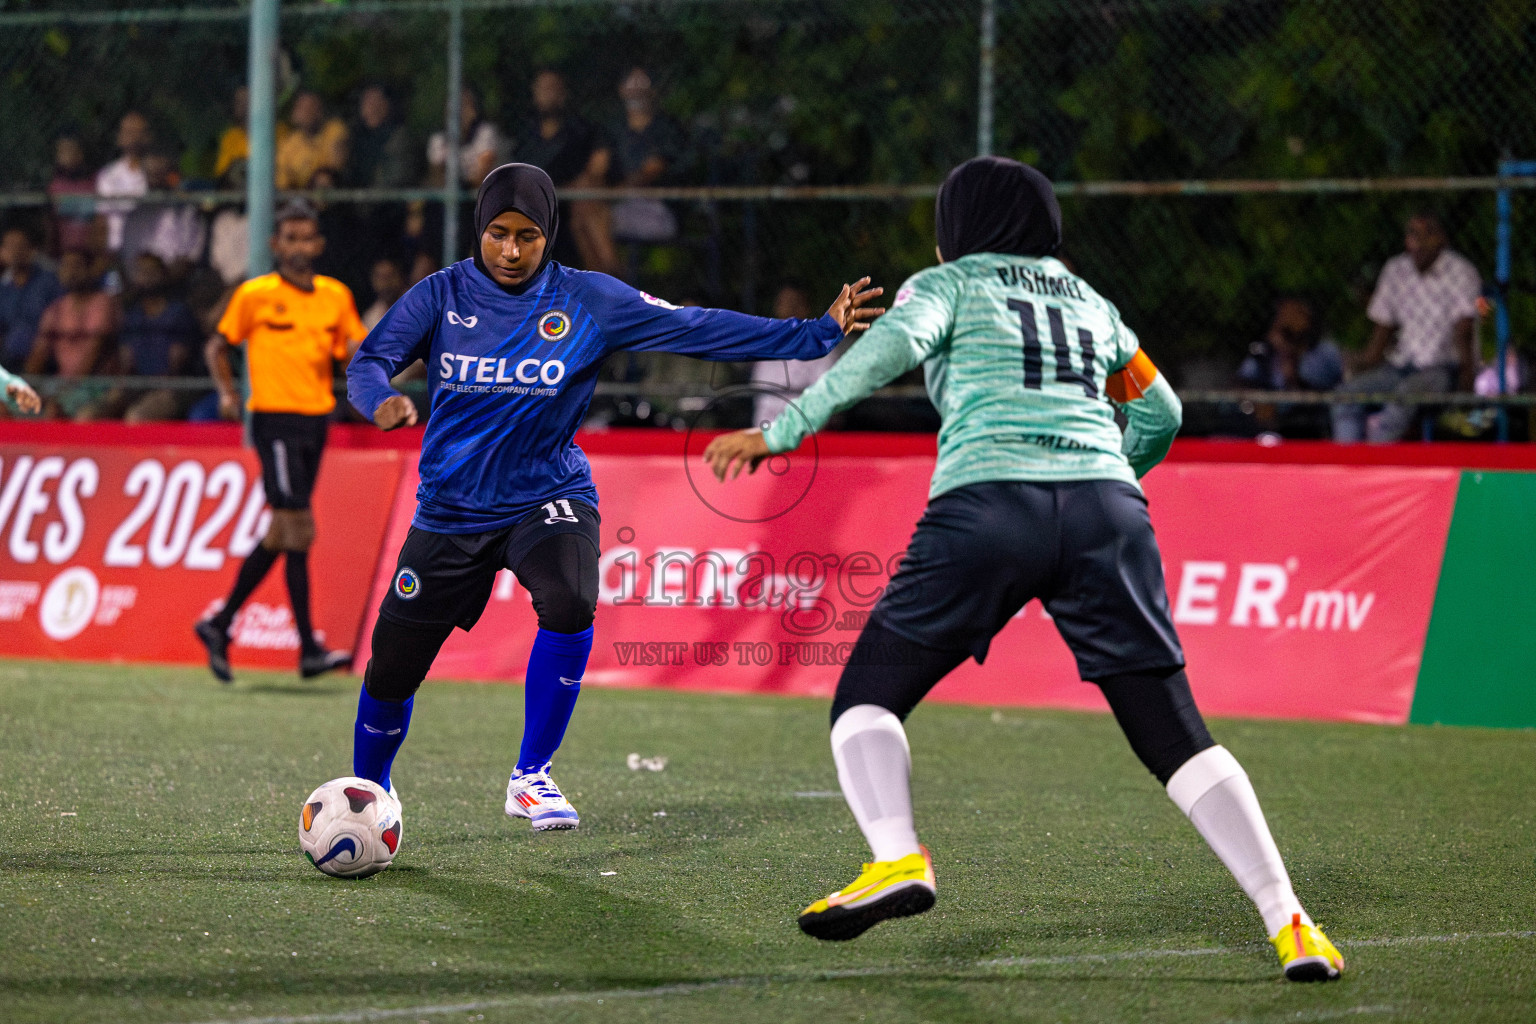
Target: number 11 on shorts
556, 507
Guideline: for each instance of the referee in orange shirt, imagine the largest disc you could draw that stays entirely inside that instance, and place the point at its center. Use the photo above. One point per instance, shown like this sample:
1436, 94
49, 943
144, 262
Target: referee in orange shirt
296, 325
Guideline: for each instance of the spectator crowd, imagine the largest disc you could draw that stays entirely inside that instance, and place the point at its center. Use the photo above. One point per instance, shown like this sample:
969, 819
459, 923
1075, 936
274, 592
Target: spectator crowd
128, 269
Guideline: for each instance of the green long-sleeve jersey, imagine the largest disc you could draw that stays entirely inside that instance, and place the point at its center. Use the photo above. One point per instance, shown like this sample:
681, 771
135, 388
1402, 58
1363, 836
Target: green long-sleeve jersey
1017, 353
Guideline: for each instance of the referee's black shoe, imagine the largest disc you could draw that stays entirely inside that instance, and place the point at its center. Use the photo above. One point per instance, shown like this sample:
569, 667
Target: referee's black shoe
216, 640
320, 661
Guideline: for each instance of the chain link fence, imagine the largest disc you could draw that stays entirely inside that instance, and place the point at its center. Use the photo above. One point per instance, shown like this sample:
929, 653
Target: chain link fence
810, 133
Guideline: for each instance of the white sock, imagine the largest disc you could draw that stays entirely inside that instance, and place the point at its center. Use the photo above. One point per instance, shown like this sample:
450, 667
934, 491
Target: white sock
1213, 791
874, 767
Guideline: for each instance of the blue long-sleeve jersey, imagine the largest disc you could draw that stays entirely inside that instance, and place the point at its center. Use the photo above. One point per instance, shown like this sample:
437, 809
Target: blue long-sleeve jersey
510, 378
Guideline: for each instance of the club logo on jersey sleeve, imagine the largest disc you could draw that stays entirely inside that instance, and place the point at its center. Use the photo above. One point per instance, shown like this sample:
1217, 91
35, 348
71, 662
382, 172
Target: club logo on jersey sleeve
554, 325
407, 584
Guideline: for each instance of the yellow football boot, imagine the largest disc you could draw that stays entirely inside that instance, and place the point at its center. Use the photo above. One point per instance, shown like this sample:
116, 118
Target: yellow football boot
885, 889
1306, 954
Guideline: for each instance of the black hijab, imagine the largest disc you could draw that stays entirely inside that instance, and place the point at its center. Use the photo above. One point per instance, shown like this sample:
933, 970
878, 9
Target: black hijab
993, 204
526, 189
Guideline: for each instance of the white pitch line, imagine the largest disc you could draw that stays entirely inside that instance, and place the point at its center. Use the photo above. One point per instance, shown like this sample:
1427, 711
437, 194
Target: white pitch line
553, 998
1307, 1016
1152, 954
692, 988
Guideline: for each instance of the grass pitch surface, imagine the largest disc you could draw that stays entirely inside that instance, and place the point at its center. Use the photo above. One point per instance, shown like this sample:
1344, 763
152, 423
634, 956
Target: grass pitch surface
150, 868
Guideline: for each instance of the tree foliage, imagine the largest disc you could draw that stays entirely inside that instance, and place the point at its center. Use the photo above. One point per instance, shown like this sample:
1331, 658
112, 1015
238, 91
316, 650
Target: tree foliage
885, 91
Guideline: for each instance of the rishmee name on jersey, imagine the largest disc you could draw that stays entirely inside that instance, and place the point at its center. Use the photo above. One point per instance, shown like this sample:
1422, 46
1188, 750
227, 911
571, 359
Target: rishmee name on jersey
1041, 283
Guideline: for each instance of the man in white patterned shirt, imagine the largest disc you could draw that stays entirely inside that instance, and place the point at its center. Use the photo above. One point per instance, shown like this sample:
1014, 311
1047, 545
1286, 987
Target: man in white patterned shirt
1424, 310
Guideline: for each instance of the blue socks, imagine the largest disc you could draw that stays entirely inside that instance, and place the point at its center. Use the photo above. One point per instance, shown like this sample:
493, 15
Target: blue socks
376, 738
555, 669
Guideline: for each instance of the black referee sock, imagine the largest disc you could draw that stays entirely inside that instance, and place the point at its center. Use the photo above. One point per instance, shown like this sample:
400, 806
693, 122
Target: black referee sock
252, 571
297, 571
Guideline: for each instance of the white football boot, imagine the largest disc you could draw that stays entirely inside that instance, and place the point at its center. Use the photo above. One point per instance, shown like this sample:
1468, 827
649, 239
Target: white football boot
534, 795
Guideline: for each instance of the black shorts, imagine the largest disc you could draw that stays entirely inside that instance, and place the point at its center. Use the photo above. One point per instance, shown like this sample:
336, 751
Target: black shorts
290, 445
1085, 548
445, 579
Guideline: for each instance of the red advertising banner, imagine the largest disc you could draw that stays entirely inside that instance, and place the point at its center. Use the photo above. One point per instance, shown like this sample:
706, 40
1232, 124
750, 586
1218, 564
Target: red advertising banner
1299, 591
111, 552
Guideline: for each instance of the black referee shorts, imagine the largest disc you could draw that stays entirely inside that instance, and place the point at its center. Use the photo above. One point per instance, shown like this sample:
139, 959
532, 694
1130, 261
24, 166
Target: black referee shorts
445, 579
1085, 548
290, 445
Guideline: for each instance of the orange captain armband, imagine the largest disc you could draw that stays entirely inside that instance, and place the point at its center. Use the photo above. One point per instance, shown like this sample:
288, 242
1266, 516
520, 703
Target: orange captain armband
1132, 381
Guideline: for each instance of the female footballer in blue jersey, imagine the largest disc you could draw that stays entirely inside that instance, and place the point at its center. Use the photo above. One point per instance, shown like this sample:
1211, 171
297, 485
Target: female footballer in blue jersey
512, 343
1034, 495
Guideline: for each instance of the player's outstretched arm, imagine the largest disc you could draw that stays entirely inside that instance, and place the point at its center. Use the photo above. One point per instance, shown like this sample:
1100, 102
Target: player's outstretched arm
917, 326
1153, 412
634, 321
852, 310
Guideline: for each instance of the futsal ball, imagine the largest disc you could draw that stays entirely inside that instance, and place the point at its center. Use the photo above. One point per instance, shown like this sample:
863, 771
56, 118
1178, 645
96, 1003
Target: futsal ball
350, 828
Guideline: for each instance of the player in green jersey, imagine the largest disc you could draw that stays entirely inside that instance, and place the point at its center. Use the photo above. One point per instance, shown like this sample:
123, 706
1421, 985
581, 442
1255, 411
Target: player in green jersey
1035, 495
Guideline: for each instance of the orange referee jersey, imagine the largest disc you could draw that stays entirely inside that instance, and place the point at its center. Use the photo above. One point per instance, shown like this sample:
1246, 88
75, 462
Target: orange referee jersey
293, 339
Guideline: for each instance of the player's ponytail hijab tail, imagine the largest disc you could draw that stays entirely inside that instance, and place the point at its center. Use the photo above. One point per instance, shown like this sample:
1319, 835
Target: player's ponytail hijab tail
993, 204
526, 189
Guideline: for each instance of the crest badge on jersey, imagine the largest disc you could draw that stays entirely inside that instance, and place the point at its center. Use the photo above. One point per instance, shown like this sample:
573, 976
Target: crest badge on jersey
407, 584
554, 325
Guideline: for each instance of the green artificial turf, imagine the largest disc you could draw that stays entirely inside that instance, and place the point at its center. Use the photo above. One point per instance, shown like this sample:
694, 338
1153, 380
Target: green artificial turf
149, 866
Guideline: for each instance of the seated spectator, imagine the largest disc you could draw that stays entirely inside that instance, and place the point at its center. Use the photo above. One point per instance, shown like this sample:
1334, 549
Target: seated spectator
1293, 355
648, 148
229, 240
159, 338
26, 290
171, 230
234, 154
482, 147
782, 381
314, 144
1424, 310
382, 156
77, 335
572, 152
125, 175
388, 281
72, 187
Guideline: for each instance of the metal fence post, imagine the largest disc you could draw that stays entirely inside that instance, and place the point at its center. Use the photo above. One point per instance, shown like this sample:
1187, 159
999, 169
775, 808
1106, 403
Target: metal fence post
987, 78
1501, 299
261, 130
1504, 204
451, 172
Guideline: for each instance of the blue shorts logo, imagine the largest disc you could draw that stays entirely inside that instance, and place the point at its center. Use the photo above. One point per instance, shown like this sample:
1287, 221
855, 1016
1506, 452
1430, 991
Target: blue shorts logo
407, 584
554, 326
